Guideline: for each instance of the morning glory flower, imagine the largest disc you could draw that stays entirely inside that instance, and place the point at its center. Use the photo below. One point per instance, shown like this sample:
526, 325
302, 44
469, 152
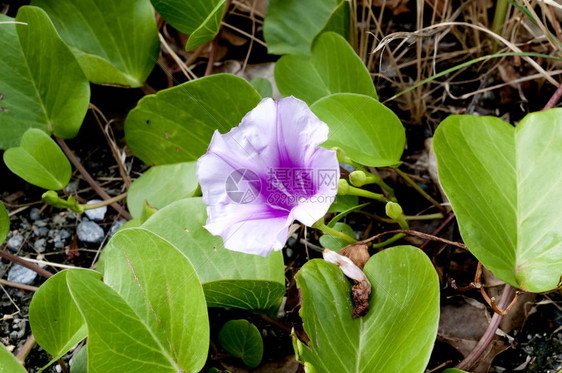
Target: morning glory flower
261, 176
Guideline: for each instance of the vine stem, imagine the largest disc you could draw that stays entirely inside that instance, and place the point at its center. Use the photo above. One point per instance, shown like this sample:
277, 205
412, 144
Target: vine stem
554, 99
24, 263
324, 228
90, 180
484, 342
419, 190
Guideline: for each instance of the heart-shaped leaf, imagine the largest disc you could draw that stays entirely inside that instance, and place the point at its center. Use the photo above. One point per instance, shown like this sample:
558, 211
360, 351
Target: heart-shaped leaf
162, 288
151, 307
333, 67
162, 185
398, 332
35, 91
176, 124
503, 186
229, 278
4, 223
200, 19
8, 362
39, 161
243, 340
56, 322
115, 42
367, 131
287, 32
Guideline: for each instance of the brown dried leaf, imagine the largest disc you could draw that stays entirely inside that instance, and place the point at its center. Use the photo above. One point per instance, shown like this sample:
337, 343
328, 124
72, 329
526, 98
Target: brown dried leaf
357, 252
360, 295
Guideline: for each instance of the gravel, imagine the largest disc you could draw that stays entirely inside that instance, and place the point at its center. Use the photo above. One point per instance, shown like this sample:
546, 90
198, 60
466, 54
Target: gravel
15, 243
88, 231
96, 214
21, 274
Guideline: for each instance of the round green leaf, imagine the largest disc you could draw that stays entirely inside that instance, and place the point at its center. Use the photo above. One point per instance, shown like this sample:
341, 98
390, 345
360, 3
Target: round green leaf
263, 86
398, 332
4, 223
503, 186
160, 285
115, 42
333, 67
117, 336
8, 362
290, 26
335, 243
39, 161
176, 124
41, 84
200, 19
55, 320
229, 278
366, 130
162, 185
242, 339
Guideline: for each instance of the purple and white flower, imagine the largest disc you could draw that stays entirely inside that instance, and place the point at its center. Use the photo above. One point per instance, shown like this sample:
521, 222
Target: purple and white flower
264, 174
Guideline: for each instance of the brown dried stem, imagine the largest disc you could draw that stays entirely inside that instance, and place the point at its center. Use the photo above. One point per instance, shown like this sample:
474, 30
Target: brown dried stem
16, 259
484, 342
90, 180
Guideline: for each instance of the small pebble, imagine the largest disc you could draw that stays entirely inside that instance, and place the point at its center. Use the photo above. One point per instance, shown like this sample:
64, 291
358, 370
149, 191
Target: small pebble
34, 214
96, 214
43, 231
59, 219
14, 243
64, 234
40, 245
118, 224
59, 245
72, 186
21, 275
88, 231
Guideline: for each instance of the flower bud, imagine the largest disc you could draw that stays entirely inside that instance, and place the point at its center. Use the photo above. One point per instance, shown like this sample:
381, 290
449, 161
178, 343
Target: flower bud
358, 178
343, 187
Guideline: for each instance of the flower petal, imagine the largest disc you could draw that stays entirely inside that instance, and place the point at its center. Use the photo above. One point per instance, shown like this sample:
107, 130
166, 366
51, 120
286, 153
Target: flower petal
252, 228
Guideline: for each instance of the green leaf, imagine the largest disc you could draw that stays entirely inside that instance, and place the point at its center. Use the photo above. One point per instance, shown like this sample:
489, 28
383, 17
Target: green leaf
453, 370
367, 131
8, 362
176, 124
200, 19
229, 278
162, 185
55, 320
333, 67
117, 336
243, 340
115, 42
160, 285
290, 26
39, 161
41, 83
80, 361
4, 223
398, 332
343, 203
503, 186
263, 86
334, 243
